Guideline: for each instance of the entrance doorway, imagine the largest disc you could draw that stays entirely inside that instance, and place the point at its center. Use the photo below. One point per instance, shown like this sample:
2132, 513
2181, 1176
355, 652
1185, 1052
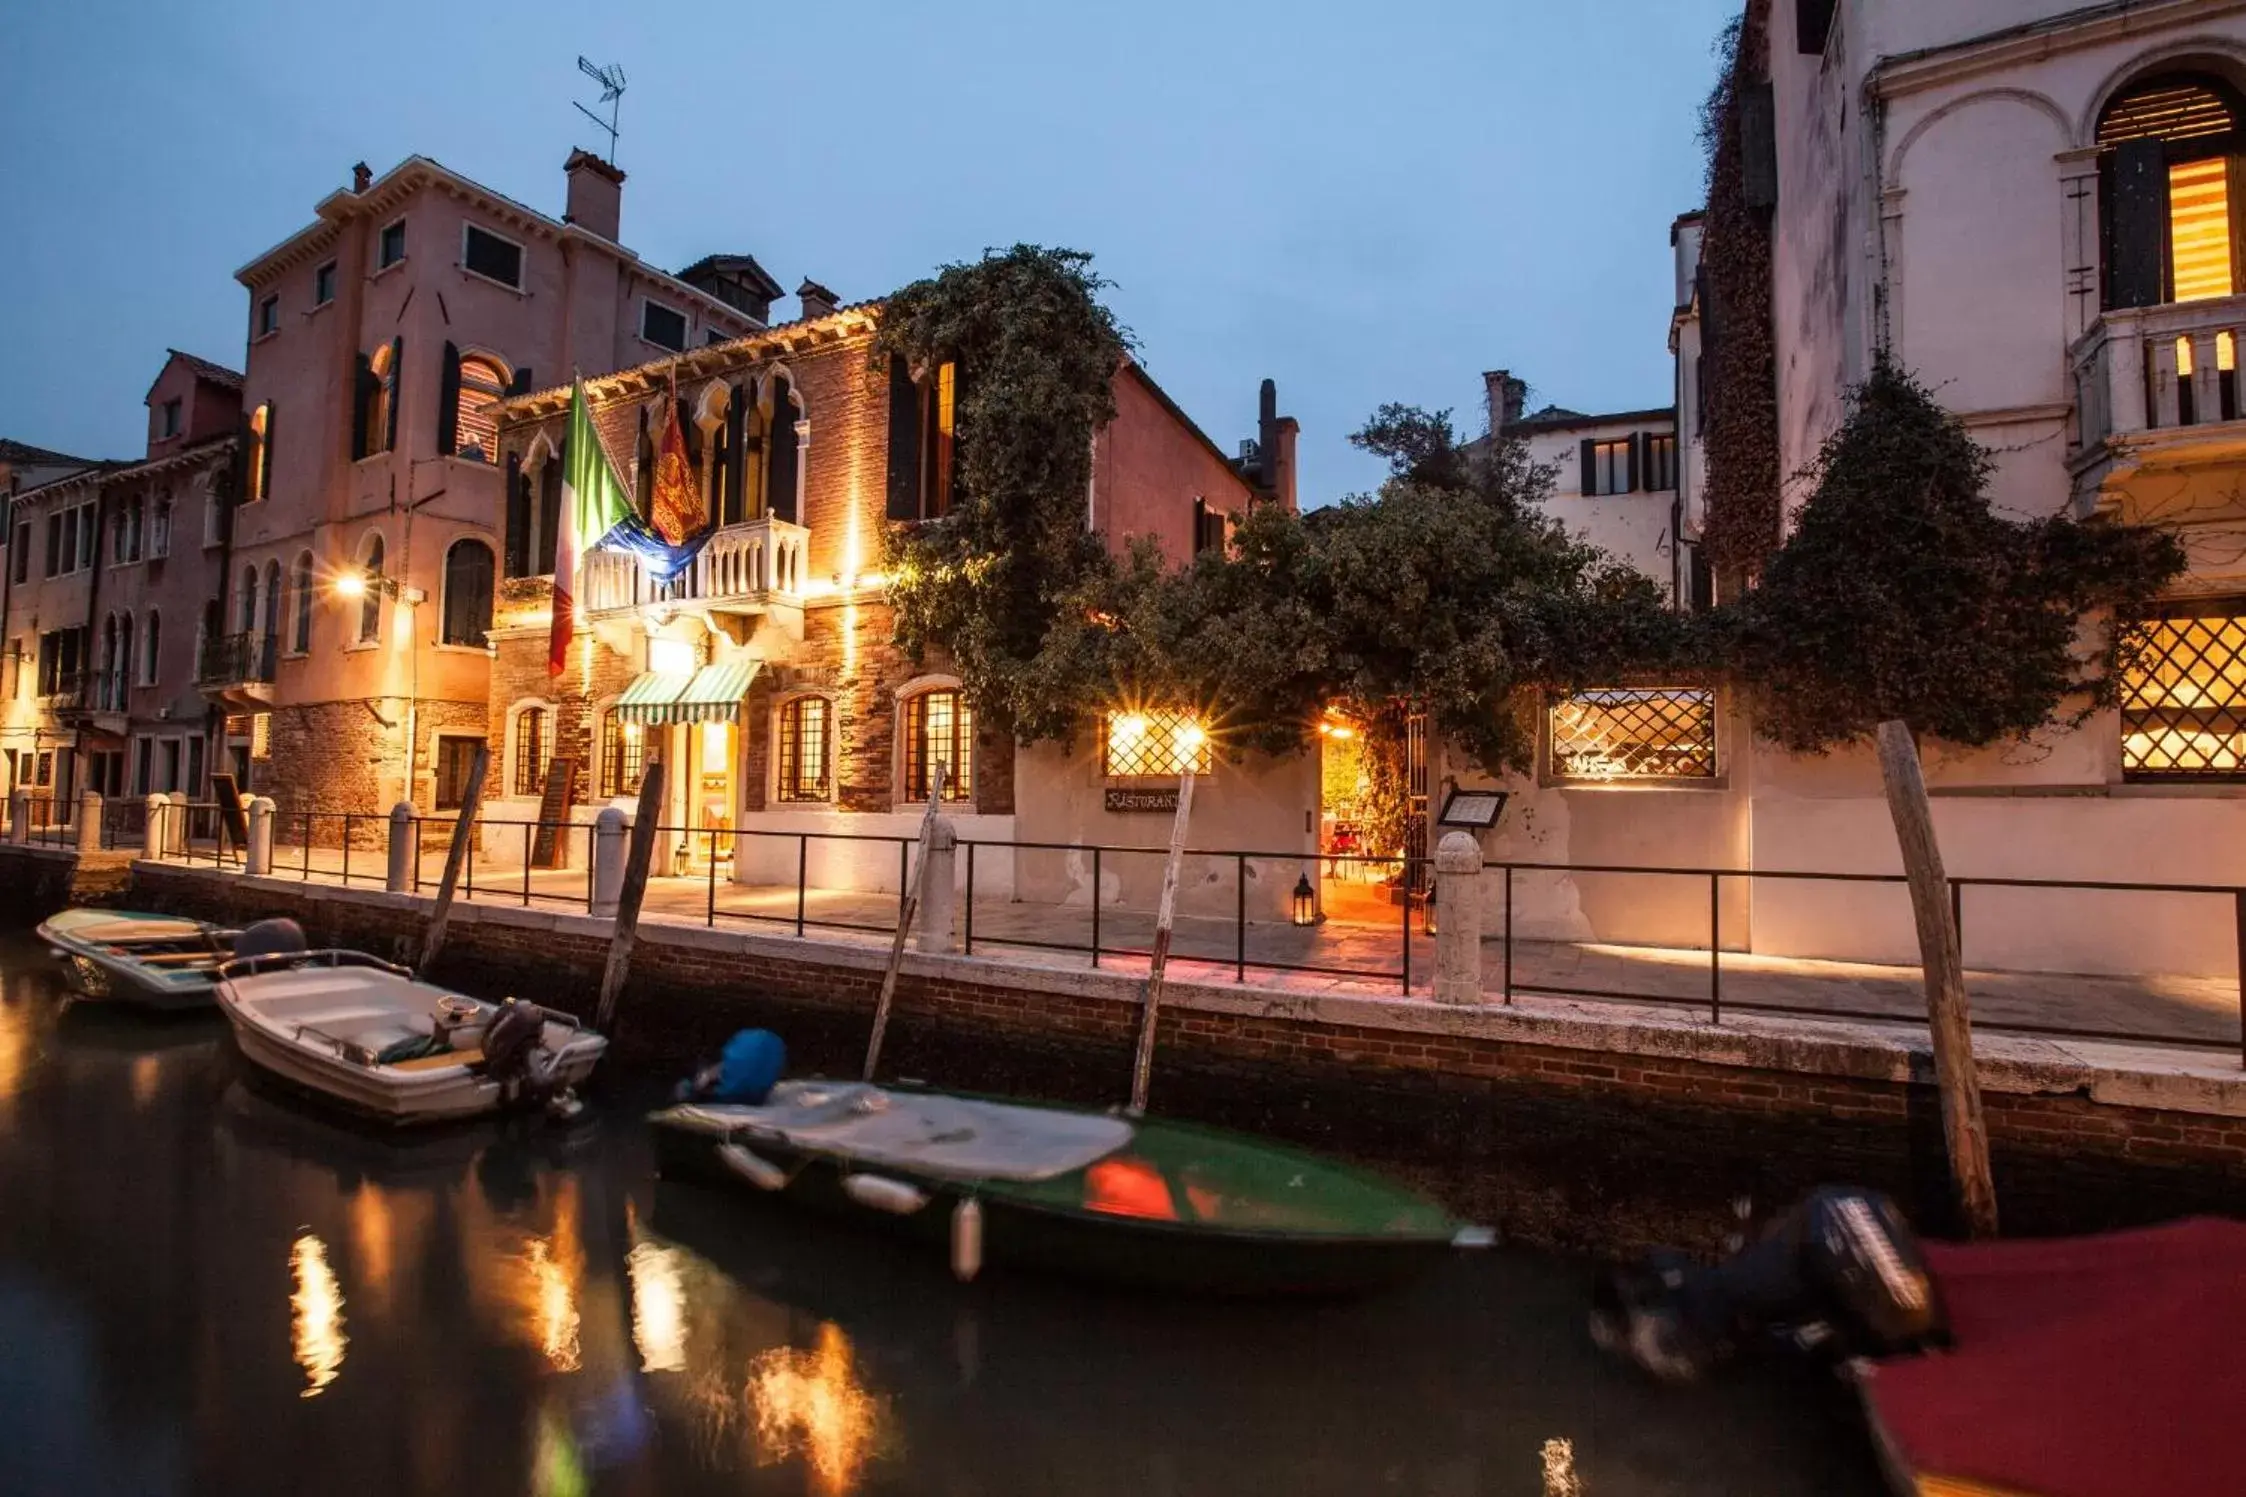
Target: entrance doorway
702, 796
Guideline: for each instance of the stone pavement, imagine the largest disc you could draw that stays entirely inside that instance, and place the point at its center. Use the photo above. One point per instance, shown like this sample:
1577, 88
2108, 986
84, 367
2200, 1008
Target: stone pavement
1368, 960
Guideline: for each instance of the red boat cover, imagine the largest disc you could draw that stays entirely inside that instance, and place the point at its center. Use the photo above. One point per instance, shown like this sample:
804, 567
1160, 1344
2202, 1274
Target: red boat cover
2111, 1366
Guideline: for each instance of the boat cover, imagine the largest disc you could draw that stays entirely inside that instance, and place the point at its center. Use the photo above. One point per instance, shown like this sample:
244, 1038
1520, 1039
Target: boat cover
2103, 1366
957, 1138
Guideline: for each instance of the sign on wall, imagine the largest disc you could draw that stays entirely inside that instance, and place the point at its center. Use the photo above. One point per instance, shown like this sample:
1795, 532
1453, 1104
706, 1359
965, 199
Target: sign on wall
1128, 799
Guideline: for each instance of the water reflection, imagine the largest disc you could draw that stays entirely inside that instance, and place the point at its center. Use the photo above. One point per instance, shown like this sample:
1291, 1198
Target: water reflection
316, 1315
658, 1306
809, 1403
555, 1293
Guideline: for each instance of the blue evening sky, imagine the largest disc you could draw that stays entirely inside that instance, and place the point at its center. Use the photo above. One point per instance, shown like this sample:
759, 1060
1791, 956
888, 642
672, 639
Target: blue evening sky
1364, 202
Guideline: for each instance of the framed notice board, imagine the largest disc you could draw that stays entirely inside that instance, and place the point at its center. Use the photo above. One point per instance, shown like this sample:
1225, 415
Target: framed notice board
553, 805
232, 823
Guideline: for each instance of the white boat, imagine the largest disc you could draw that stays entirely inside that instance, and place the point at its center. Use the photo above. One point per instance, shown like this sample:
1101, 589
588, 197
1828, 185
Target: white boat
158, 961
370, 1036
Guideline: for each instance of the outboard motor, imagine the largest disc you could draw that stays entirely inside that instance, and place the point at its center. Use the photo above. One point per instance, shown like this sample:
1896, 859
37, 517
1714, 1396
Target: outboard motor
512, 1042
280, 936
1839, 1276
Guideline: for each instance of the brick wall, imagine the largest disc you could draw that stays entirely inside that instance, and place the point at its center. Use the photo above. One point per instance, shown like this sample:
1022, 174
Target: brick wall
1585, 1134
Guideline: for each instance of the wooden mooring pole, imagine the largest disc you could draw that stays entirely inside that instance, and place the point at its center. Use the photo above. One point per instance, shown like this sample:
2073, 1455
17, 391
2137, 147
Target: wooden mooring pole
1964, 1130
463, 827
908, 906
637, 853
1165, 916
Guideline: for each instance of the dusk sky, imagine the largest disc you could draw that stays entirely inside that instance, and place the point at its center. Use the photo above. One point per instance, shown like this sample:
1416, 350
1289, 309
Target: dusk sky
1364, 203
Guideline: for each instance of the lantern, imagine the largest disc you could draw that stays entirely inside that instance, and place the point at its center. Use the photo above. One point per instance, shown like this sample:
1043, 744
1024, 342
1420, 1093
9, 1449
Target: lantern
1305, 902
1427, 911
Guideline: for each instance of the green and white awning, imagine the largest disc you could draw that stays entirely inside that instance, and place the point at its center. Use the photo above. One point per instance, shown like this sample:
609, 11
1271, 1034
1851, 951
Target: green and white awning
709, 695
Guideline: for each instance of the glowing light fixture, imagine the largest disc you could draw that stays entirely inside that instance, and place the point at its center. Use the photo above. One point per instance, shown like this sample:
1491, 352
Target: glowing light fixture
1305, 910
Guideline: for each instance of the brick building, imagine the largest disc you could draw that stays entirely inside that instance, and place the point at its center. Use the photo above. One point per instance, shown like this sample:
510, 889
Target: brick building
108, 569
764, 676
350, 629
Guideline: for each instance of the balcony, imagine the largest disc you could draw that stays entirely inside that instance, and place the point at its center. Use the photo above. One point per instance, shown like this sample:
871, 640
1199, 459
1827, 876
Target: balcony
64, 691
2159, 381
237, 669
751, 568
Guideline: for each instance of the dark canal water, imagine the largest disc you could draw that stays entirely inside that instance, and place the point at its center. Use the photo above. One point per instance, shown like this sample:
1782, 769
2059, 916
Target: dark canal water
205, 1288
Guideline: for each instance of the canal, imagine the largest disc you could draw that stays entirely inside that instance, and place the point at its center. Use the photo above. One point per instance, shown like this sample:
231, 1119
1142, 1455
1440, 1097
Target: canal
205, 1288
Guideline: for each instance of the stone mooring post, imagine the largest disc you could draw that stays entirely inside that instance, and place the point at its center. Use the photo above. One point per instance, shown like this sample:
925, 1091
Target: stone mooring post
1458, 937
19, 816
259, 858
153, 829
89, 822
939, 891
610, 839
403, 819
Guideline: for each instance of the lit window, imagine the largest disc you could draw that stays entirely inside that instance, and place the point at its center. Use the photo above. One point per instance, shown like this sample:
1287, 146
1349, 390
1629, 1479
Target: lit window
662, 326
377, 426
2199, 228
939, 729
481, 383
803, 750
2183, 696
530, 751
495, 259
1153, 745
370, 599
258, 480
623, 754
1608, 467
323, 285
393, 247
455, 757
2167, 148
1634, 733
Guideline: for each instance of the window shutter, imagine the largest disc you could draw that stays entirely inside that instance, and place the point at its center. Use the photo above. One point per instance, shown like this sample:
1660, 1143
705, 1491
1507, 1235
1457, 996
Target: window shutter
397, 391
779, 494
2136, 226
1590, 484
1758, 146
521, 383
904, 442
1813, 22
448, 403
518, 518
736, 455
265, 468
1200, 524
1630, 482
364, 386
549, 507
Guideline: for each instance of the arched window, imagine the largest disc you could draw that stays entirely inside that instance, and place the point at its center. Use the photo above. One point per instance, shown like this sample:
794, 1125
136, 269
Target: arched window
2170, 219
482, 381
121, 670
106, 675
300, 587
272, 600
939, 729
249, 600
151, 648
257, 475
467, 602
783, 408
375, 425
370, 601
623, 755
806, 740
530, 751
160, 527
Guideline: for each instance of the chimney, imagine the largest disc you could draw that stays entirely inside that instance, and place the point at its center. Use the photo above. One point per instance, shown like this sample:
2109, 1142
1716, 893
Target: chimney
817, 300
362, 176
1275, 447
596, 195
1504, 396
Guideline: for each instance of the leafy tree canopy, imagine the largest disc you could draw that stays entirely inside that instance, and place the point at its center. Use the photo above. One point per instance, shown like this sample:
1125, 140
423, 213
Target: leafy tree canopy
1902, 594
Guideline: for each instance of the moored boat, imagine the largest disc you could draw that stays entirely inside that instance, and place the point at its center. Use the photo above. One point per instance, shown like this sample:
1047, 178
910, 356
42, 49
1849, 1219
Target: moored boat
159, 961
369, 1036
1090, 1194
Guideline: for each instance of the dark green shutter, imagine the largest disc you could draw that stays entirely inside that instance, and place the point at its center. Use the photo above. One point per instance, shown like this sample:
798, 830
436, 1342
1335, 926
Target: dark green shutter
904, 442
397, 391
265, 472
779, 491
448, 403
2136, 225
363, 385
518, 518
1590, 484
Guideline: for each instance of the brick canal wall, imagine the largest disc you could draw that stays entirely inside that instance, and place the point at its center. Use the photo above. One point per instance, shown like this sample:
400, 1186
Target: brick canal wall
1566, 1124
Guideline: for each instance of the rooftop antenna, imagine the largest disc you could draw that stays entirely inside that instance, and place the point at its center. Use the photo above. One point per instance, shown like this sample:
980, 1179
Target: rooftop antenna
611, 81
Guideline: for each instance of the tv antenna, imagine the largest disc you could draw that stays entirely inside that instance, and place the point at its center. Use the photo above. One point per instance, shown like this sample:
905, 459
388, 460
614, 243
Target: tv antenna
611, 81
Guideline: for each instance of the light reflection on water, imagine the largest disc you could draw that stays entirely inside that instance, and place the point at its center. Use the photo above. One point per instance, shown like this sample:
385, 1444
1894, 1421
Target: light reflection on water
520, 1308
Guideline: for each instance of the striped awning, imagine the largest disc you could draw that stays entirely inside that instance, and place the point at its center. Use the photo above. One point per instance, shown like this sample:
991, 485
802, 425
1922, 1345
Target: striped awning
711, 694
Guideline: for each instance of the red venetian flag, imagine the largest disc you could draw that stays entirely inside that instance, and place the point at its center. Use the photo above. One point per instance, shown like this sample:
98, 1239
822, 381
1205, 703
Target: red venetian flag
679, 515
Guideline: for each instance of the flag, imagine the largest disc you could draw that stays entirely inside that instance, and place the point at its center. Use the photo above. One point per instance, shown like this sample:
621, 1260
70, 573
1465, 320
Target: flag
594, 502
678, 513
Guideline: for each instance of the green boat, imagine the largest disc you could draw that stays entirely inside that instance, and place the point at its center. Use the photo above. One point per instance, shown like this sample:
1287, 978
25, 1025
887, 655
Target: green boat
1093, 1195
158, 961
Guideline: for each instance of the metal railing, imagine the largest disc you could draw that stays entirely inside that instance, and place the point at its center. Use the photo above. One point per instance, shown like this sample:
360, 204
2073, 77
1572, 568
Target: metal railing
229, 658
350, 847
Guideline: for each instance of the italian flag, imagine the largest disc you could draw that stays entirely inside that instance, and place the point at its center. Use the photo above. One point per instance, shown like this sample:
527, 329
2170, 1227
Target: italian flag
594, 502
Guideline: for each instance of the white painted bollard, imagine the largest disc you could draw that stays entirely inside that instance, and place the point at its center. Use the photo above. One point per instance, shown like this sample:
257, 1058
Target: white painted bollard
152, 831
89, 822
939, 891
404, 822
610, 834
1458, 901
260, 859
19, 816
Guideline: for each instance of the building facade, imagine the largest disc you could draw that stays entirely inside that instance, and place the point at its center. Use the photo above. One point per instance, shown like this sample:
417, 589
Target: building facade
362, 564
764, 677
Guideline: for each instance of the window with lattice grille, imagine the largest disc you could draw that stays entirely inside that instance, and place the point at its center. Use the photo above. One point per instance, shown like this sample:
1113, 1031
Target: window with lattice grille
939, 729
1154, 744
803, 750
2183, 697
530, 751
623, 755
1635, 733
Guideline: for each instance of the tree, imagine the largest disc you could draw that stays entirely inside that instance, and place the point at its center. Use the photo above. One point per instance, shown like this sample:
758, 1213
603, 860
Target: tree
1904, 604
